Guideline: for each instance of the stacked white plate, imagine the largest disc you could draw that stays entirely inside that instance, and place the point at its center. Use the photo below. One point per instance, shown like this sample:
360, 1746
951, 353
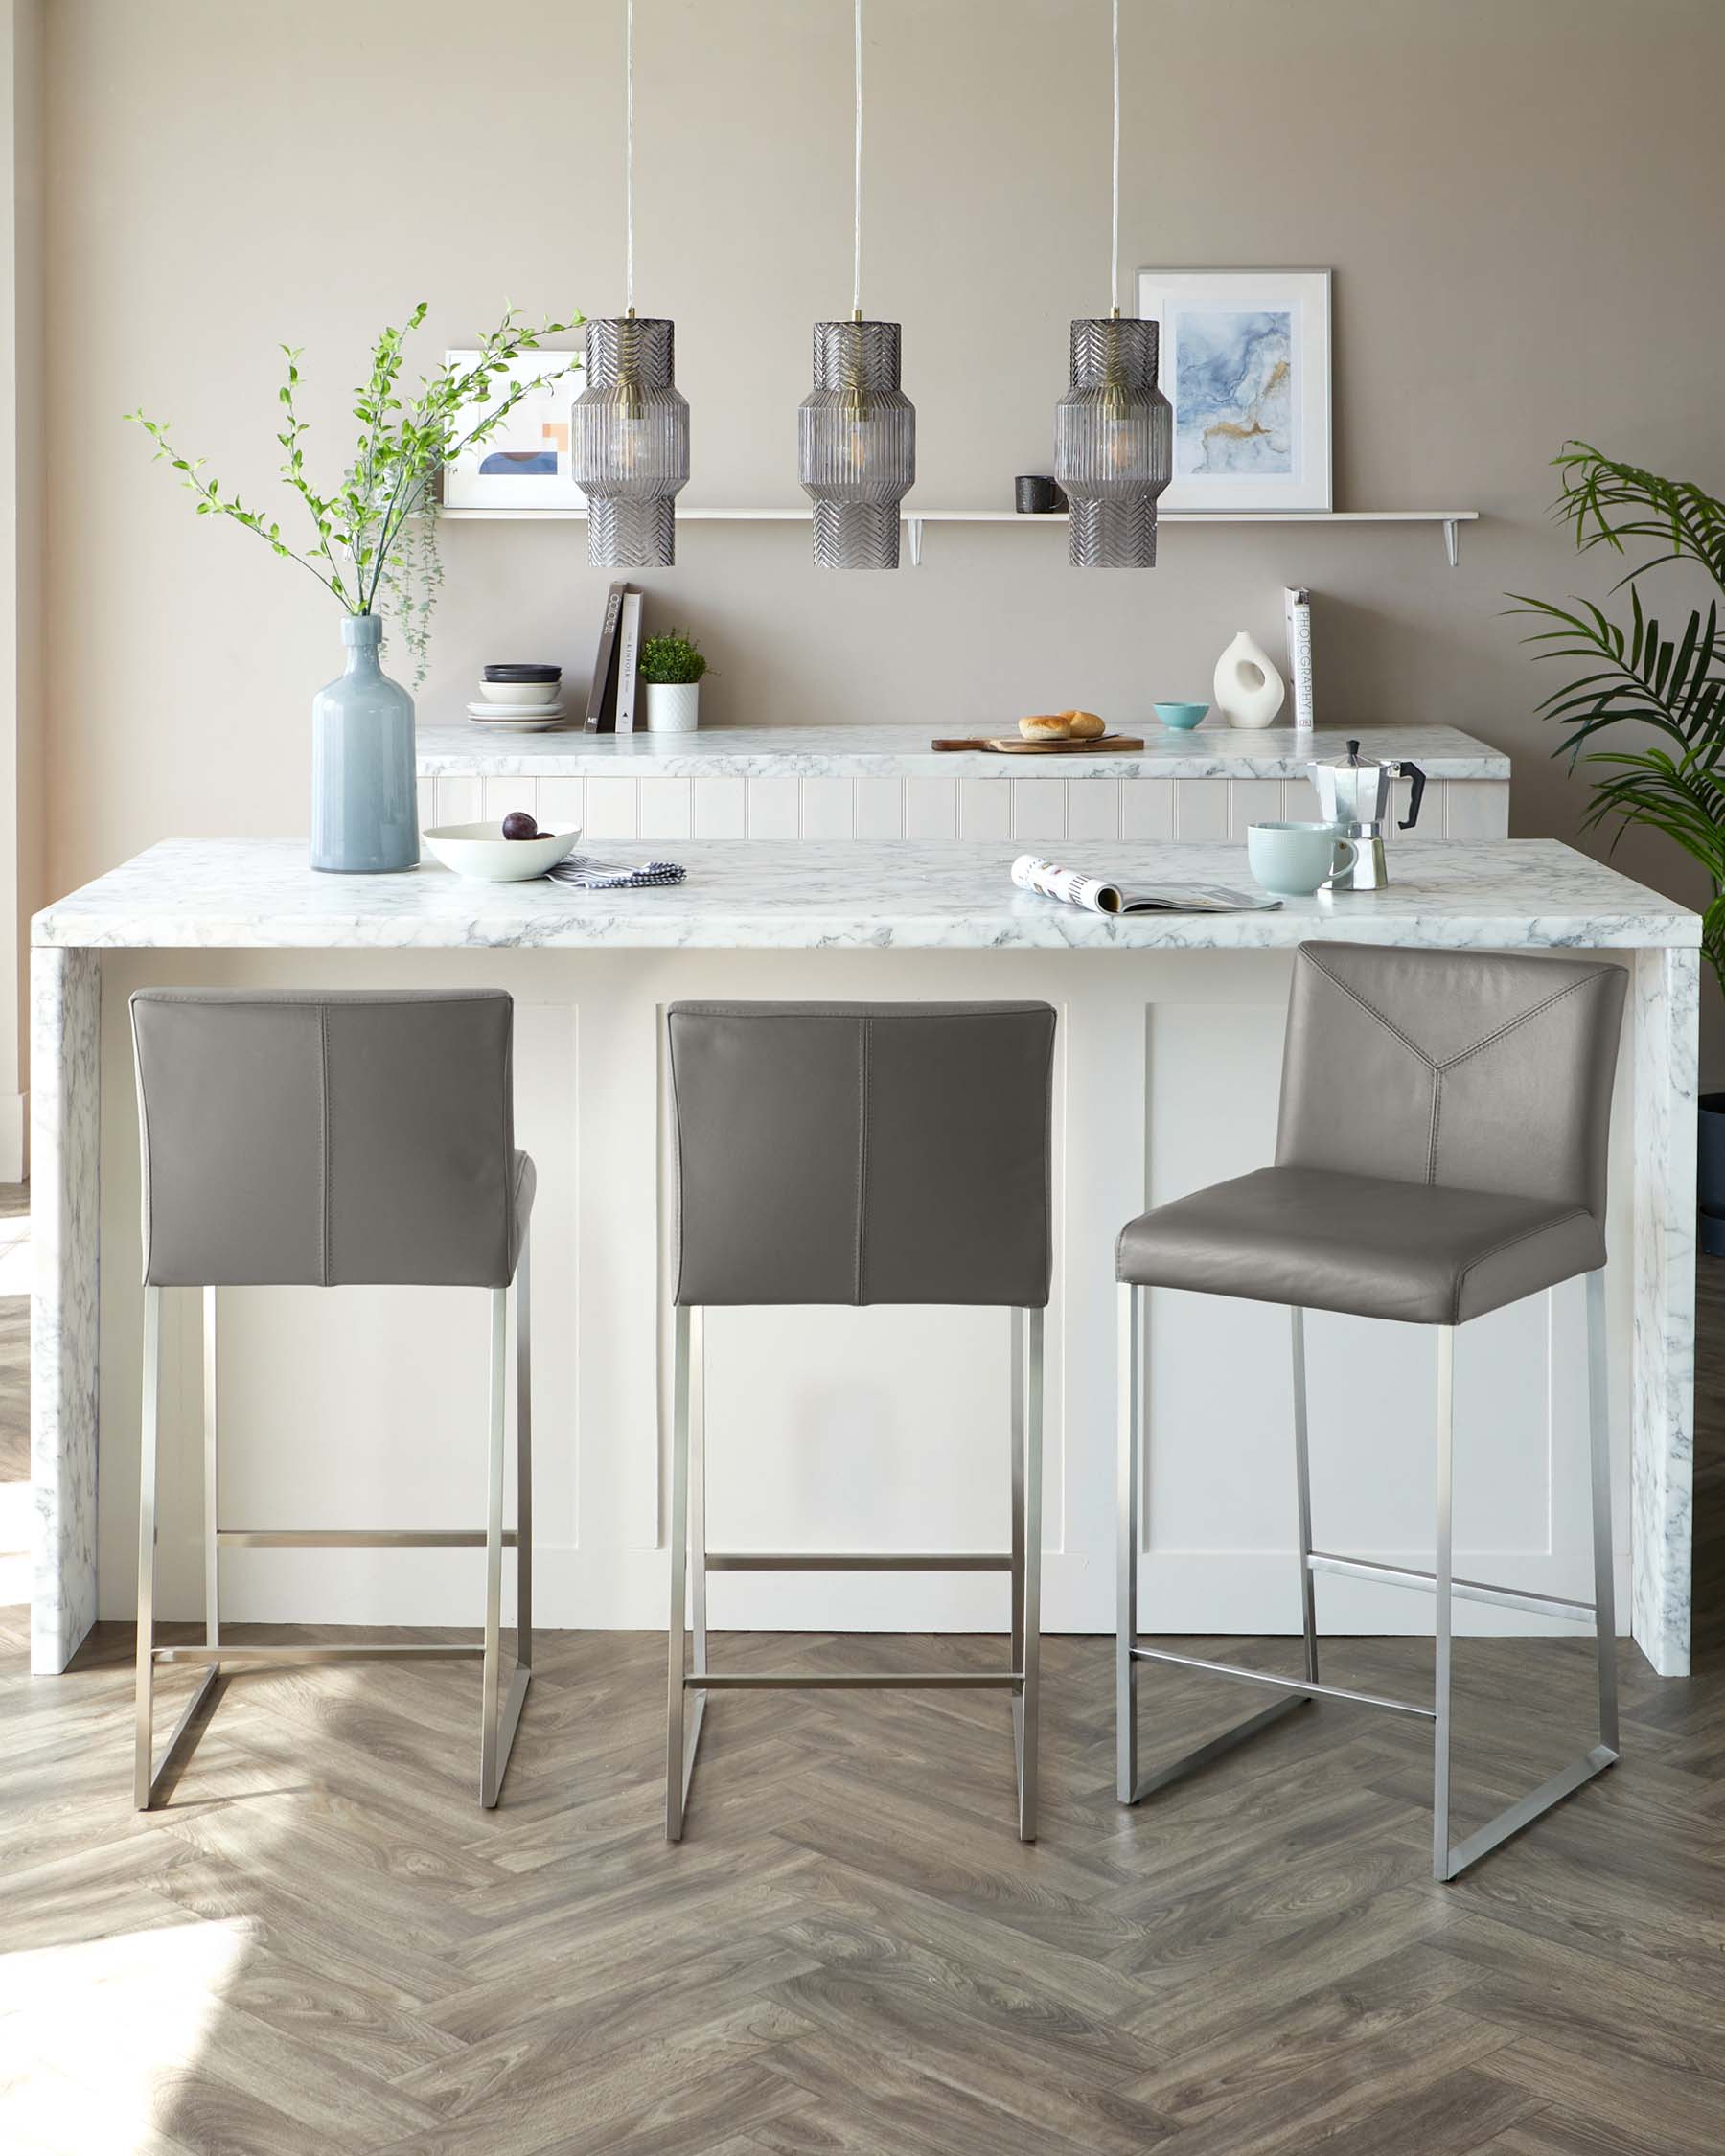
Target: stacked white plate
519, 718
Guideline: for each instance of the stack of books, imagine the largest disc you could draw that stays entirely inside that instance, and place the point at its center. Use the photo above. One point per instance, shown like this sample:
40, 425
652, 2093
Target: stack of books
611, 699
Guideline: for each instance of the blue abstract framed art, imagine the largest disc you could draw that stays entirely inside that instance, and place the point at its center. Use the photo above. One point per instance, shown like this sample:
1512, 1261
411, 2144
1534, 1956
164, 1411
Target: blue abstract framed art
1246, 365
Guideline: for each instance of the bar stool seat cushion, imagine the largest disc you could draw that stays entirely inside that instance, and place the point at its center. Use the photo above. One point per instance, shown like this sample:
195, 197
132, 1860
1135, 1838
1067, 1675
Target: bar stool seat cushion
328, 1138
1369, 1244
862, 1153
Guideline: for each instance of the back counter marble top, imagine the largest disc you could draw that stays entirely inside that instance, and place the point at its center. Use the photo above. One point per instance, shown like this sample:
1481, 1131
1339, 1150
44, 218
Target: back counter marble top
469, 748
251, 894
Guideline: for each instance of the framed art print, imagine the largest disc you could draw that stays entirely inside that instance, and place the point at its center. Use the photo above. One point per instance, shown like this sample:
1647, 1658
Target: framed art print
525, 463
1245, 362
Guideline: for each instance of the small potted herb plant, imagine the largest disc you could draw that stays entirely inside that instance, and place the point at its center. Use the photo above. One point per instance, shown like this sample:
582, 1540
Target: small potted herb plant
672, 666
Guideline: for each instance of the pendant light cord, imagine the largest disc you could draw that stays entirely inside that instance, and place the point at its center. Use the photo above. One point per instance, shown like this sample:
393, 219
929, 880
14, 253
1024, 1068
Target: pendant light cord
1113, 237
629, 152
857, 181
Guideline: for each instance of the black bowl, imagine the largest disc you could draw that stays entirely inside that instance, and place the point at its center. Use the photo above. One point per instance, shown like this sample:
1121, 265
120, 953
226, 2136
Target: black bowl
523, 672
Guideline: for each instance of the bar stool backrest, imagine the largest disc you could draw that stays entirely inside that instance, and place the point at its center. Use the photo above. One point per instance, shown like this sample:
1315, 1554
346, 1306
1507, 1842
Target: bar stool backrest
1477, 1071
326, 1138
862, 1153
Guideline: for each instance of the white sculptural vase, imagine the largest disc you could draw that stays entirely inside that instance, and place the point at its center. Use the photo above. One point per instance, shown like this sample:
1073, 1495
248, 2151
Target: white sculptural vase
1249, 689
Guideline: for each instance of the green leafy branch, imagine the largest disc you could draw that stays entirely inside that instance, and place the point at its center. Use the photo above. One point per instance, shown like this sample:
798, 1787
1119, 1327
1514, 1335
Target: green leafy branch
1689, 523
1671, 686
359, 541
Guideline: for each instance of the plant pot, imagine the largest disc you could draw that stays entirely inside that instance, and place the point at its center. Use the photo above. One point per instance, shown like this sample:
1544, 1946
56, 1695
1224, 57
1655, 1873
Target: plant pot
1710, 1161
364, 784
673, 707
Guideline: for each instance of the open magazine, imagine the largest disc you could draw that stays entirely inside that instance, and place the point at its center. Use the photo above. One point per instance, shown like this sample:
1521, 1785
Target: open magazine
1032, 874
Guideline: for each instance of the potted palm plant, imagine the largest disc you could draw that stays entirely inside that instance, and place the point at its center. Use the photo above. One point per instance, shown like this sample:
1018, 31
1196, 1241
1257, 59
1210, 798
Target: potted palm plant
372, 535
1669, 772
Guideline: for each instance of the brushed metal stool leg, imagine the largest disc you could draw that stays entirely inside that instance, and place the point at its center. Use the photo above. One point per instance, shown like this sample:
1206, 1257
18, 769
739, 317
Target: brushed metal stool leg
147, 1773
1016, 1452
1302, 1470
1440, 1733
1598, 1428
1032, 1662
697, 1542
146, 1533
504, 1714
1130, 1785
1129, 1369
523, 1291
210, 1495
698, 1495
1450, 1861
493, 1555
679, 1553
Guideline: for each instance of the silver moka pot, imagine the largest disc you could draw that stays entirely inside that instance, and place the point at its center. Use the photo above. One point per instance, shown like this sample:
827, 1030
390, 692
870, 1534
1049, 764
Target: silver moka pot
1354, 791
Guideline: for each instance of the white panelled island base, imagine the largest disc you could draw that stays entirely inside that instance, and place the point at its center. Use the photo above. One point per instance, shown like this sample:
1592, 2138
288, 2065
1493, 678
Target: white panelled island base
833, 1429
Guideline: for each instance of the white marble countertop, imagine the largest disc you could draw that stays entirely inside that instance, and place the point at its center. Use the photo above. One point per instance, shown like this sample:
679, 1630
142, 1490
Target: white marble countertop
247, 893
467, 747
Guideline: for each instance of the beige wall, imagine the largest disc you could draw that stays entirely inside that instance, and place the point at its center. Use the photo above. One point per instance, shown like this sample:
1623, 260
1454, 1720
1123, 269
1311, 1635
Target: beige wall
1520, 253
23, 835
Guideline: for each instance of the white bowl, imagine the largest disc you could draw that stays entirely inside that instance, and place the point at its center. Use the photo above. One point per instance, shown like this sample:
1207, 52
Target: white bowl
480, 851
521, 692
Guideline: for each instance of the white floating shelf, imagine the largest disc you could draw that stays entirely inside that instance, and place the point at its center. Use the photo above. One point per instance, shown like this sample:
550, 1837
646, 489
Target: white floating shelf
1450, 518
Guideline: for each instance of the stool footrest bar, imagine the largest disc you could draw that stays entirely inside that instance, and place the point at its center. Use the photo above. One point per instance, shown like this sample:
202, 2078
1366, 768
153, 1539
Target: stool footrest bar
856, 1561
233, 1651
357, 1538
1286, 1683
1465, 1590
864, 1681
1514, 1817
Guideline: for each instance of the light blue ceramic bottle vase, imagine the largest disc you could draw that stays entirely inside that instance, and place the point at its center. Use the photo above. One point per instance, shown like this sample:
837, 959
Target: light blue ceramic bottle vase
364, 790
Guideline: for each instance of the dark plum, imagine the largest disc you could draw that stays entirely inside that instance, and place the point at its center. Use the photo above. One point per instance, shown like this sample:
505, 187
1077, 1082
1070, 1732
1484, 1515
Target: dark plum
518, 824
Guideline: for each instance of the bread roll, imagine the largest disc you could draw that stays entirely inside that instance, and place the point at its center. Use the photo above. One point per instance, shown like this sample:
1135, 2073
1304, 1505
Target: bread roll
1047, 725
1086, 725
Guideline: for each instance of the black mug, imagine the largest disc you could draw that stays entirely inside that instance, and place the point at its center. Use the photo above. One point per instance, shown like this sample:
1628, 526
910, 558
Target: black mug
1034, 496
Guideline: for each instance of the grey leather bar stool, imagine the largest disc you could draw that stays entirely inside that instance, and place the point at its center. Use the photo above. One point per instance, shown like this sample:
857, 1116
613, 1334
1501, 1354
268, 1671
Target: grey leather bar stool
859, 1152
1441, 1152
329, 1141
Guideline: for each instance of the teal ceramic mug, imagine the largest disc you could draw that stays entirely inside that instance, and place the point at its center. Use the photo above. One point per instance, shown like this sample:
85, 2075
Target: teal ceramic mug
1295, 860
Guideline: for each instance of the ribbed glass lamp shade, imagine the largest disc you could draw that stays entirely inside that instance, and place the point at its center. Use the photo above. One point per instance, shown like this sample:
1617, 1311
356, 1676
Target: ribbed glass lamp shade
857, 444
631, 442
1113, 445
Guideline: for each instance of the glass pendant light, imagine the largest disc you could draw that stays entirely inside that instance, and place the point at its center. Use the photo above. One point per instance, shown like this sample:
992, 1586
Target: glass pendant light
1113, 429
630, 436
857, 429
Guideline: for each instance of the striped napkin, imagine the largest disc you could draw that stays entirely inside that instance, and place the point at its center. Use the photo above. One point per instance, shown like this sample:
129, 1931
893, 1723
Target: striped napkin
589, 875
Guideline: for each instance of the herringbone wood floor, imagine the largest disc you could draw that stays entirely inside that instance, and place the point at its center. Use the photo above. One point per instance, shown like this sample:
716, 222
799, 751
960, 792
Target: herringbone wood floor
322, 1944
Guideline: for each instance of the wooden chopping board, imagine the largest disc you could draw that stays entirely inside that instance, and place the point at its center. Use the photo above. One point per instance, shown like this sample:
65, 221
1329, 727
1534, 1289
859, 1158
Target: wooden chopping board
1017, 745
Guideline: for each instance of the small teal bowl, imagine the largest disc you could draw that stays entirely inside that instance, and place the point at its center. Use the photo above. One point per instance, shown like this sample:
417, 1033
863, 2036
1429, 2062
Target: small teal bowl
1182, 717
